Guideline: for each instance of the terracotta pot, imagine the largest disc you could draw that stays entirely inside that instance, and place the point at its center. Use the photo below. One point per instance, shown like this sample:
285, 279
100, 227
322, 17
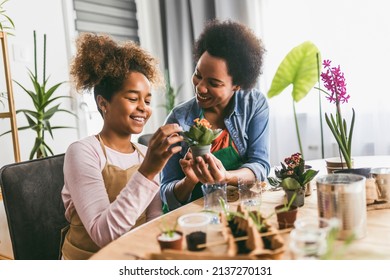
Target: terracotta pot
286, 219
335, 163
198, 151
166, 242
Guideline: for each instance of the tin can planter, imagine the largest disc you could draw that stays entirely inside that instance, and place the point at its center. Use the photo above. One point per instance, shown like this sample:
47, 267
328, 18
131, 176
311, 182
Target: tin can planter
343, 196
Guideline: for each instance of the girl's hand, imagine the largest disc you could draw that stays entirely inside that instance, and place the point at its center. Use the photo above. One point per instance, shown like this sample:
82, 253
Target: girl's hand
160, 150
209, 169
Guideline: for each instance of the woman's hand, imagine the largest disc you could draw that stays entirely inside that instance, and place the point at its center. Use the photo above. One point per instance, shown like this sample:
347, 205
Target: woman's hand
186, 166
160, 150
209, 169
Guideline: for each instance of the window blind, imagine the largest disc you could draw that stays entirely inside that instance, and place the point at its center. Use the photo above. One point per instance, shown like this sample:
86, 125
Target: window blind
117, 18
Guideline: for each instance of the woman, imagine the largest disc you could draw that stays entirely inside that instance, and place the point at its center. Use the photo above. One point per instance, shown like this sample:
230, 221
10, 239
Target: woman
229, 58
111, 184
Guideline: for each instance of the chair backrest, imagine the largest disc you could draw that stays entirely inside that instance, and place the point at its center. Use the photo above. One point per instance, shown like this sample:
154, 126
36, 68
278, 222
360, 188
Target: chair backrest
35, 212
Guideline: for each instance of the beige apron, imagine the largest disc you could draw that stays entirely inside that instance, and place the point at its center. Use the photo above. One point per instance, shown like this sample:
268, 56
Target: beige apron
78, 244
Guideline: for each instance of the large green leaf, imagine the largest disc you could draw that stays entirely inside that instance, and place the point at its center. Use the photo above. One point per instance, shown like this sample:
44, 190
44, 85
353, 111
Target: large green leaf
290, 184
298, 68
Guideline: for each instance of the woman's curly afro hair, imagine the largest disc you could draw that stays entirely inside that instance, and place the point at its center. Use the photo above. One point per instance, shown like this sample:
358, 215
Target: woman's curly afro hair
238, 45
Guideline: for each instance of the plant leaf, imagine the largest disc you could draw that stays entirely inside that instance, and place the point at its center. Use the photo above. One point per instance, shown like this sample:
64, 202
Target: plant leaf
50, 92
298, 68
290, 184
309, 175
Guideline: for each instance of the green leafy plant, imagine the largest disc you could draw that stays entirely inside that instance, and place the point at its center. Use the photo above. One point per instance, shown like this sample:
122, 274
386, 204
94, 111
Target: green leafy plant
201, 134
256, 216
6, 22
228, 214
300, 69
170, 94
168, 230
287, 203
294, 174
3, 95
258, 220
42, 98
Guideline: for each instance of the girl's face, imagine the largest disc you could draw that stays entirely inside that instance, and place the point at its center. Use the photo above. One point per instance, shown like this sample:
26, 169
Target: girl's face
212, 84
130, 107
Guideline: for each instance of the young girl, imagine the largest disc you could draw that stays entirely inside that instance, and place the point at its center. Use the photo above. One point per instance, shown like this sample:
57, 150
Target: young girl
111, 184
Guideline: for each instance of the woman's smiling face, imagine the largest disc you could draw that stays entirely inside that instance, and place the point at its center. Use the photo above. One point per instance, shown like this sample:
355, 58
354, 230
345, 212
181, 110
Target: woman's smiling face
212, 83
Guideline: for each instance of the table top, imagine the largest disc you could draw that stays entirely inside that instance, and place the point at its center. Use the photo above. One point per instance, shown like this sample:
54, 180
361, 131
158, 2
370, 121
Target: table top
141, 242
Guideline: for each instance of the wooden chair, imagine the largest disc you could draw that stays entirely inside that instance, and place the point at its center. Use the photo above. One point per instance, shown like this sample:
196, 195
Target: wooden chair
35, 212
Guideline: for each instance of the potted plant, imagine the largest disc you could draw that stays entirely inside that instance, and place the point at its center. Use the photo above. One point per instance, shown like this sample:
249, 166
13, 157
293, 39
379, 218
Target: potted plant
293, 177
249, 232
336, 93
200, 136
43, 99
286, 213
170, 238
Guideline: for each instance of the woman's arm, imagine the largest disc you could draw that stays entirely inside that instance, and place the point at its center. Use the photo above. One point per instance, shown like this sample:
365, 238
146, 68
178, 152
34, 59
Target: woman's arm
257, 135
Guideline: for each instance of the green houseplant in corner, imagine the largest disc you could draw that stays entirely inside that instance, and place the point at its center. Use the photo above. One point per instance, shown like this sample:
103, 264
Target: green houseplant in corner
43, 99
6, 22
170, 94
300, 69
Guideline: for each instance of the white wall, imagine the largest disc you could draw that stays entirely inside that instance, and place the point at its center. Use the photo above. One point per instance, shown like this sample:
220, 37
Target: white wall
46, 17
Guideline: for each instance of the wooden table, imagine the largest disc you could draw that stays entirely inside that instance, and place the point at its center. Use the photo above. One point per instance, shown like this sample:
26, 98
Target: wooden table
142, 242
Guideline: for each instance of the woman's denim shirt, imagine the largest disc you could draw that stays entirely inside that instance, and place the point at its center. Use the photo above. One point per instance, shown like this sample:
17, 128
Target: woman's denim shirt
247, 123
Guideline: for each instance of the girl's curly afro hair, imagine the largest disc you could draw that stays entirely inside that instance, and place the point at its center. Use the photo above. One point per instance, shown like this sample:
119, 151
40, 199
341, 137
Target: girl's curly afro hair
102, 64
